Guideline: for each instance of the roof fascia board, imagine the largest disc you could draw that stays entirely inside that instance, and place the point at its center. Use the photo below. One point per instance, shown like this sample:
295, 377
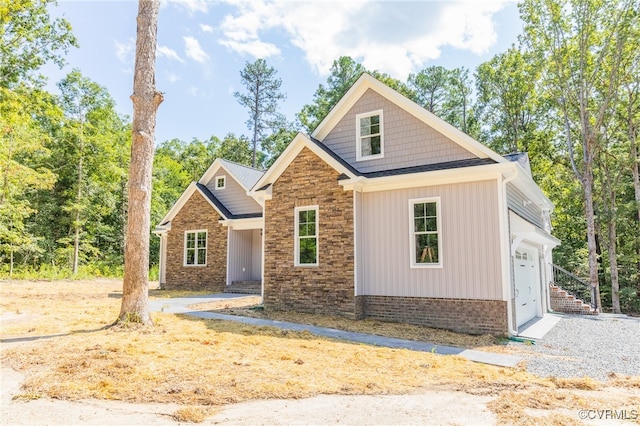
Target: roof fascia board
295, 147
213, 169
527, 185
366, 82
244, 224
177, 206
186, 195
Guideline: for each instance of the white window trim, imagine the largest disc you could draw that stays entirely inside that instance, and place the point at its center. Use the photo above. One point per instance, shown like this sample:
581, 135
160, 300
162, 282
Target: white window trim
359, 156
224, 182
412, 240
206, 247
296, 251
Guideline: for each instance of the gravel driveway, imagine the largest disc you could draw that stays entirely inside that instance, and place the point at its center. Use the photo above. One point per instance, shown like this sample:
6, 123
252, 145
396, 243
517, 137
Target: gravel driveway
592, 346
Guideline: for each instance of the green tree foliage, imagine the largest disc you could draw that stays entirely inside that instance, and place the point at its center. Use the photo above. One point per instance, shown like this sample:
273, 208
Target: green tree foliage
262, 100
29, 38
24, 158
583, 45
90, 156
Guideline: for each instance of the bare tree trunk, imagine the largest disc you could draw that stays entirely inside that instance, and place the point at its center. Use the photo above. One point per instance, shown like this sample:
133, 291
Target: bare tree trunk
76, 238
613, 267
587, 184
135, 292
636, 189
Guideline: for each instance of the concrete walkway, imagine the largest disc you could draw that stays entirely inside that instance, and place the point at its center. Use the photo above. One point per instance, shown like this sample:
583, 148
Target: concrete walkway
181, 306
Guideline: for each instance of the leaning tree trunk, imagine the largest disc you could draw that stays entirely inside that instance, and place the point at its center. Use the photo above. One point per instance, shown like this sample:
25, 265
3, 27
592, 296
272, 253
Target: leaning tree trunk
135, 292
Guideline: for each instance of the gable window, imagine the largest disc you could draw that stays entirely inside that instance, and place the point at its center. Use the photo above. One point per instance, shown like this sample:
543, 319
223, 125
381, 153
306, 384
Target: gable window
369, 138
306, 236
221, 182
425, 232
195, 248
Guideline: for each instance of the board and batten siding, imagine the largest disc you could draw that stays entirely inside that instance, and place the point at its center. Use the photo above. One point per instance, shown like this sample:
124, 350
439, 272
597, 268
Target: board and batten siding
519, 203
408, 141
245, 255
470, 244
233, 196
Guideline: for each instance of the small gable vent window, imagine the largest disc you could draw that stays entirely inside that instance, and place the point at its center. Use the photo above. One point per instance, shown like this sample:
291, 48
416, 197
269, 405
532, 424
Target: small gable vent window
221, 182
370, 140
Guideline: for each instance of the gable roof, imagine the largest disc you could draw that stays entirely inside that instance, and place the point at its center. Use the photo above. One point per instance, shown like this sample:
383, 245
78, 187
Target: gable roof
246, 176
366, 82
298, 143
186, 195
210, 198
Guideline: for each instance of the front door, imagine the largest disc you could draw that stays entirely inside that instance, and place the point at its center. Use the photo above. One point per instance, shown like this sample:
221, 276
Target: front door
527, 284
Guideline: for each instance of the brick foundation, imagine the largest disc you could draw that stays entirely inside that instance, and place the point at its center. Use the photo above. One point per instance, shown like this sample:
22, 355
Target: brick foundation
328, 287
197, 214
460, 315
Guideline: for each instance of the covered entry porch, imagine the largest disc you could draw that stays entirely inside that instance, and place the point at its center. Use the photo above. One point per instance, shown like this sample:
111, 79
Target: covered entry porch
244, 256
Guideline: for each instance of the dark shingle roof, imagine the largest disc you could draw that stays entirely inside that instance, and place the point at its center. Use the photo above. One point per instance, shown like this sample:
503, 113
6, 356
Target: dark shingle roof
405, 170
335, 156
521, 158
431, 167
225, 212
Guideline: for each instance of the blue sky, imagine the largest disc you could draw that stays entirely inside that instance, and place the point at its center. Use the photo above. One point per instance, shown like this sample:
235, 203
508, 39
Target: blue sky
203, 45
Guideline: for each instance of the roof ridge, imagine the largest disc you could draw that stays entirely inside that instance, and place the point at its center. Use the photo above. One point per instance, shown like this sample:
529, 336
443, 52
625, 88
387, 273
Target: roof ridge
241, 165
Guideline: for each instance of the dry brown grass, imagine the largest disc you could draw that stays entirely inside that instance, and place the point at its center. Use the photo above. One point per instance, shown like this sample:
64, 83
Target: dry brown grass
200, 363
192, 414
401, 331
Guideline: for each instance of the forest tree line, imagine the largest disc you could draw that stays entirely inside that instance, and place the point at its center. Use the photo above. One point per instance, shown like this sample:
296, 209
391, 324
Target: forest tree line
568, 94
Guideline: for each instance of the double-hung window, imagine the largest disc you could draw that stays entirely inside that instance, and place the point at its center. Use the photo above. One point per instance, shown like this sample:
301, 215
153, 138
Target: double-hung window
425, 232
306, 236
195, 248
369, 136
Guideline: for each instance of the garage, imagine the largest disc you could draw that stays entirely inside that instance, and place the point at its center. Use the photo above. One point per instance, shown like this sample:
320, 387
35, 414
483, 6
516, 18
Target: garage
527, 283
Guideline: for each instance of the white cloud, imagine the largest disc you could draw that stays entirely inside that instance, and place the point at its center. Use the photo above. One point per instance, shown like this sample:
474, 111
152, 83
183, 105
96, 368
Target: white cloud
169, 53
171, 76
206, 28
192, 6
390, 36
125, 51
194, 51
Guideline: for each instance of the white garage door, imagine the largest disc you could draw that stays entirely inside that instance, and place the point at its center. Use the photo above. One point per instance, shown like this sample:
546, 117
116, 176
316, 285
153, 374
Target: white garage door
527, 280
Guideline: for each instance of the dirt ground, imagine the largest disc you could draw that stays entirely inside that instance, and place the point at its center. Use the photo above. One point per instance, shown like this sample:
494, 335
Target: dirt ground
325, 409
35, 321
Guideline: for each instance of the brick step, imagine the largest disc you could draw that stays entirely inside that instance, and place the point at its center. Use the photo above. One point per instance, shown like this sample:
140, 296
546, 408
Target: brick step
561, 301
244, 287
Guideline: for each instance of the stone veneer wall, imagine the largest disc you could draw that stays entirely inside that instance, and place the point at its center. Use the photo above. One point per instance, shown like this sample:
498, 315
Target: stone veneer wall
197, 214
460, 315
329, 287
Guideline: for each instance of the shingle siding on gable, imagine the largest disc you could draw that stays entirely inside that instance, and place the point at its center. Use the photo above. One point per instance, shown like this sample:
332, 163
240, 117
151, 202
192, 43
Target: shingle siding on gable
233, 196
408, 141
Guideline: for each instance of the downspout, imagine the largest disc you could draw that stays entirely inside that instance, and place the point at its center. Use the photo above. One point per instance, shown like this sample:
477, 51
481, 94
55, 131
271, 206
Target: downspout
505, 243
